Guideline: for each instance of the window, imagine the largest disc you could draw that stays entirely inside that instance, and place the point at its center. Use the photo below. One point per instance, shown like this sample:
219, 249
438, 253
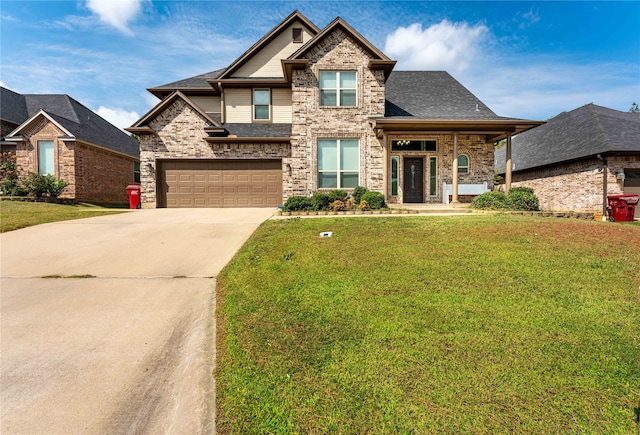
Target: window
337, 88
463, 164
338, 163
297, 35
394, 176
136, 172
413, 145
45, 157
433, 173
261, 104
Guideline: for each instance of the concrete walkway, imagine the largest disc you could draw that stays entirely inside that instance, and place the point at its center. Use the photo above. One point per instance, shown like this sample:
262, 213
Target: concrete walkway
107, 323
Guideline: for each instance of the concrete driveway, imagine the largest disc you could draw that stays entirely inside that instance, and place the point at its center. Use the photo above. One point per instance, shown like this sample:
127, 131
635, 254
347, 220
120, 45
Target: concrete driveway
107, 323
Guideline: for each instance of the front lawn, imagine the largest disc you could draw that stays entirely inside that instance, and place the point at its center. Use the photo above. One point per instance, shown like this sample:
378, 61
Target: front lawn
15, 214
470, 324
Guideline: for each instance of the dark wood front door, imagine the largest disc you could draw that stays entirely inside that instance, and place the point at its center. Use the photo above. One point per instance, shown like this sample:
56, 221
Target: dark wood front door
413, 180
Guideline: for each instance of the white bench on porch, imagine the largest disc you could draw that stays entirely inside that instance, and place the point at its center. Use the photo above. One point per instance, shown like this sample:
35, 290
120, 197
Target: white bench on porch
463, 189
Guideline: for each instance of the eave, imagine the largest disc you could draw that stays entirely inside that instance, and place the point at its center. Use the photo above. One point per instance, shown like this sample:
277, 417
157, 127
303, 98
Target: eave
162, 93
144, 130
385, 65
217, 85
494, 130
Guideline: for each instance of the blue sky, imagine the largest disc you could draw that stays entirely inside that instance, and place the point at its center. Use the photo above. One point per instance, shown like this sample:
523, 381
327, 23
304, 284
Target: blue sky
523, 59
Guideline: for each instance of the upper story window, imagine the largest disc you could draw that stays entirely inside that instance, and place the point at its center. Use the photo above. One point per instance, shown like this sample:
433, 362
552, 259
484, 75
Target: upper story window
463, 164
338, 88
296, 35
262, 104
45, 157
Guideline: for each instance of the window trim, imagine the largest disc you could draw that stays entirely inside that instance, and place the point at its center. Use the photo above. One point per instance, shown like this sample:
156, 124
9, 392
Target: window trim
53, 163
254, 105
337, 171
465, 167
337, 89
295, 40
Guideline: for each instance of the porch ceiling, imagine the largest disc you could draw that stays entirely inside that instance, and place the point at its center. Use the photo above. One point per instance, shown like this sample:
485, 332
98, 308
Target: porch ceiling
494, 130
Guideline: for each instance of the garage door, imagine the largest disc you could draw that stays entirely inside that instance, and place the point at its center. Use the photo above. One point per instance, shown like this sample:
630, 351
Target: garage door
219, 183
632, 185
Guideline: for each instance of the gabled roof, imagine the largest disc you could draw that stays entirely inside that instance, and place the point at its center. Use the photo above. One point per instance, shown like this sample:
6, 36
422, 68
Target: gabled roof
581, 133
71, 116
379, 59
142, 125
266, 39
197, 83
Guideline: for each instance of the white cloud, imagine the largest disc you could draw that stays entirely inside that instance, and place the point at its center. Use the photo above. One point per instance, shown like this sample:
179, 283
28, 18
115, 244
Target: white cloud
443, 46
118, 117
117, 13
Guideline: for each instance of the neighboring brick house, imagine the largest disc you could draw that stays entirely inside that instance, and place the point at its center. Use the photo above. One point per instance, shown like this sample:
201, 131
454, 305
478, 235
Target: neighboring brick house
308, 109
565, 160
55, 134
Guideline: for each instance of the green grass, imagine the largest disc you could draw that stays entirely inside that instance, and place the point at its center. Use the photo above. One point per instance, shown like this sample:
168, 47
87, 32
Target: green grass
472, 324
15, 215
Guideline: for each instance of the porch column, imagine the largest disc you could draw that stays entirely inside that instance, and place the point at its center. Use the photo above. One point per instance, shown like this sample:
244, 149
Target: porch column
454, 170
507, 169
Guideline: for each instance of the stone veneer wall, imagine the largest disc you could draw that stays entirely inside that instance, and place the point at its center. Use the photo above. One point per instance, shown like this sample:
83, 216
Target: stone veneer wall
576, 186
479, 152
27, 154
312, 122
181, 135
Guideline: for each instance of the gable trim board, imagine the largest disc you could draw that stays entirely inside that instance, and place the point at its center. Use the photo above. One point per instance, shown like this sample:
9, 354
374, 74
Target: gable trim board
418, 105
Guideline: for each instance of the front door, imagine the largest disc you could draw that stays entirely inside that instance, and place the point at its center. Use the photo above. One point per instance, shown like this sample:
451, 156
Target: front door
413, 180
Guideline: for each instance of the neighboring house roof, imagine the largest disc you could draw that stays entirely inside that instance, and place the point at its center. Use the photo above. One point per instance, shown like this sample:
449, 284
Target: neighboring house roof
431, 95
583, 132
13, 107
82, 123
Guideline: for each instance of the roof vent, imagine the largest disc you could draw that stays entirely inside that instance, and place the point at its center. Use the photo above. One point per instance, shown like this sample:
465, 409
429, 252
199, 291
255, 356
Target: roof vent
477, 108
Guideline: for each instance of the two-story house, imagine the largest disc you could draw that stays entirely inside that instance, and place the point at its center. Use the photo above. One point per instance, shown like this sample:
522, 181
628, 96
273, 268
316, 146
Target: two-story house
308, 109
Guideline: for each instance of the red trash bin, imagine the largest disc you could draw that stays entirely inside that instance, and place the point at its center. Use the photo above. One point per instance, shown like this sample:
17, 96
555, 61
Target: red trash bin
622, 207
133, 190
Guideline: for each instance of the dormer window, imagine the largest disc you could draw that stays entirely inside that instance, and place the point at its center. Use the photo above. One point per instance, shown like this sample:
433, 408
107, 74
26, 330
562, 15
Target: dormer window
338, 88
297, 35
261, 104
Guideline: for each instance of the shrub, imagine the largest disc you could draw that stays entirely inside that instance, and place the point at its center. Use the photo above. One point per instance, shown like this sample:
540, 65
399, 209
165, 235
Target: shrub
358, 192
337, 195
374, 199
364, 205
40, 185
337, 205
298, 203
493, 200
7, 185
350, 204
523, 198
320, 201
18, 191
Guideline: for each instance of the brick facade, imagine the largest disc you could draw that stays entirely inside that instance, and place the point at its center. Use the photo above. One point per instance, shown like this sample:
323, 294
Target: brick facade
576, 186
92, 174
312, 122
180, 134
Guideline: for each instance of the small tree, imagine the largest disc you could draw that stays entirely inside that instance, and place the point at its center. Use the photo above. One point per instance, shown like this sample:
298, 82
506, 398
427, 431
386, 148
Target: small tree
40, 185
634, 108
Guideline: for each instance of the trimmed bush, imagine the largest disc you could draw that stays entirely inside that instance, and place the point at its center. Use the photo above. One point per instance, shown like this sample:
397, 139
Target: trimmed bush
40, 185
337, 195
298, 203
493, 200
374, 199
358, 192
337, 205
321, 201
523, 198
364, 206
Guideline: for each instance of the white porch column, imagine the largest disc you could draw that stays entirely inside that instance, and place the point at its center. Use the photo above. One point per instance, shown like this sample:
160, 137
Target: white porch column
454, 170
507, 170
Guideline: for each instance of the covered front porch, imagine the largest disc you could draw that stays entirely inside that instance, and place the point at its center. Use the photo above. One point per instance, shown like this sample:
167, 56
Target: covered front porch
440, 161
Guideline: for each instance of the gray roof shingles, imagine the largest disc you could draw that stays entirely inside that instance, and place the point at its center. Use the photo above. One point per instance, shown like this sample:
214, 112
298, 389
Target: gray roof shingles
80, 121
432, 95
259, 130
196, 82
583, 132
